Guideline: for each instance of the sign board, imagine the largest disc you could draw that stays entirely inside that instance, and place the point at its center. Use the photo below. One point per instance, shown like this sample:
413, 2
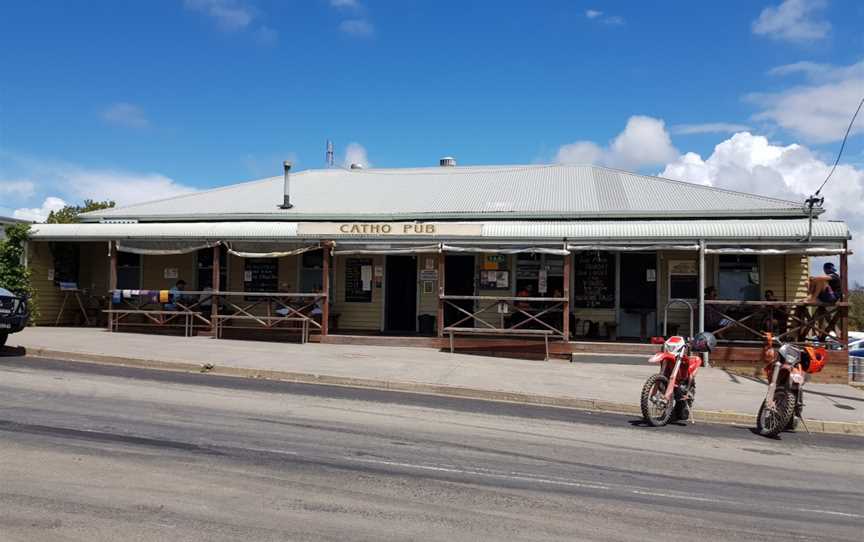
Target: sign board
51, 274
543, 282
594, 285
170, 273
503, 308
494, 280
426, 274
430, 264
261, 275
388, 229
358, 290
492, 262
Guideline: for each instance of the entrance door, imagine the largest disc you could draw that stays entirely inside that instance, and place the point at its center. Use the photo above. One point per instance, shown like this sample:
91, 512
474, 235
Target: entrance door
400, 311
459, 280
638, 312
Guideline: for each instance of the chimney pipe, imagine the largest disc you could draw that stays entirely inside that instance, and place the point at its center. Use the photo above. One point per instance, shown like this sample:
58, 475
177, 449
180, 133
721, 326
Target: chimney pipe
286, 198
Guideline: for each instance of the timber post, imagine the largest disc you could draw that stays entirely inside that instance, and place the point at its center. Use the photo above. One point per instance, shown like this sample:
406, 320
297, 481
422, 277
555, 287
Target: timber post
441, 293
217, 286
566, 307
112, 279
325, 287
844, 285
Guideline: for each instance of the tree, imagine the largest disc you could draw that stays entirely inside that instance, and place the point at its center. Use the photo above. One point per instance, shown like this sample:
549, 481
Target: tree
856, 308
69, 214
14, 275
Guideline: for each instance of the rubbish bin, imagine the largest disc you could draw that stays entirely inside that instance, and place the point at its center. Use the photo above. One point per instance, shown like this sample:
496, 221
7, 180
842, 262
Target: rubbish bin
426, 324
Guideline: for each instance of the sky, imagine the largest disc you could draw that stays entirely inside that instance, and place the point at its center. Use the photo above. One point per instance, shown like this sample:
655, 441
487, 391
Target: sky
134, 101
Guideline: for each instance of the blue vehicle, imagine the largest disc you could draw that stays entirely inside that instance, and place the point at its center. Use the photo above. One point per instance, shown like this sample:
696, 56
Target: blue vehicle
14, 314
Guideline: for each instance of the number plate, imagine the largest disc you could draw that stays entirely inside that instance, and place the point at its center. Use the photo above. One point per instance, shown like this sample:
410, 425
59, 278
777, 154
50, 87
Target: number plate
5, 325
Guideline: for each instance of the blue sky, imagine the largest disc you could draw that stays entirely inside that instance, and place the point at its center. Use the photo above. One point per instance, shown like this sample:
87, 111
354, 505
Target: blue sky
134, 101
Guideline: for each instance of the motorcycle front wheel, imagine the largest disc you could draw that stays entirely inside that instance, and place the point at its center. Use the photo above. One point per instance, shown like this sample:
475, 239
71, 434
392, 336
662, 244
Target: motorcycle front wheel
771, 421
655, 409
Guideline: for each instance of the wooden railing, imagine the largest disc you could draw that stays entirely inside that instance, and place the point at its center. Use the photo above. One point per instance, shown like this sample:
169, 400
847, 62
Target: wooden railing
508, 315
792, 321
215, 311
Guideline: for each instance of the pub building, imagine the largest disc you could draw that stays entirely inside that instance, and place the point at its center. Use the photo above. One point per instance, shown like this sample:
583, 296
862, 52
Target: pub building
473, 257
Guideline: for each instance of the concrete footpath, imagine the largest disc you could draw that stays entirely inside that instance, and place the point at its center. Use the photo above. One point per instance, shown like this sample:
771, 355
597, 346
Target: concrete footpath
721, 397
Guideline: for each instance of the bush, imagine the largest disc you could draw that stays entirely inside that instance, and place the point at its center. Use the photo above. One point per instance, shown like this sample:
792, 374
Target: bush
856, 309
14, 275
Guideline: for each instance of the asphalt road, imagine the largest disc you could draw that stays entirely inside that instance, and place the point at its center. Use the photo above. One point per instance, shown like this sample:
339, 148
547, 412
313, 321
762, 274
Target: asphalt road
106, 453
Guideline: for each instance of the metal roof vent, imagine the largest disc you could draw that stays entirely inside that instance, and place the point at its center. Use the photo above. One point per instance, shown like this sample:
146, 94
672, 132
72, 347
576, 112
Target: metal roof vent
447, 161
286, 184
355, 165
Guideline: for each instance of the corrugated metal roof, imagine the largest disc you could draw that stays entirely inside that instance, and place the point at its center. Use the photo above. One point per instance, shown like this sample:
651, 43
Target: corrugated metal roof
654, 230
595, 231
215, 231
487, 192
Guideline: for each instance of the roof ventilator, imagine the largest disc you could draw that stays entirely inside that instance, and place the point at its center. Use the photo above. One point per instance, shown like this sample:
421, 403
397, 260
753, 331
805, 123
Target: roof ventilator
355, 165
447, 161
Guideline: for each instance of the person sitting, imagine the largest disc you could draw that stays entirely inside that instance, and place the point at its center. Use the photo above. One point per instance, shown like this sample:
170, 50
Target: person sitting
776, 317
175, 295
825, 288
714, 319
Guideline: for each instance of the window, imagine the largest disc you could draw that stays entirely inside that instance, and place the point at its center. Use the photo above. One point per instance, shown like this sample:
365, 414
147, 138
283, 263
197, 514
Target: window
683, 280
67, 259
312, 272
205, 269
261, 275
738, 278
128, 271
358, 280
542, 274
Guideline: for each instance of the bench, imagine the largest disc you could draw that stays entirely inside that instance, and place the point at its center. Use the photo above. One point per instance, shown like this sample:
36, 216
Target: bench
270, 320
545, 333
162, 318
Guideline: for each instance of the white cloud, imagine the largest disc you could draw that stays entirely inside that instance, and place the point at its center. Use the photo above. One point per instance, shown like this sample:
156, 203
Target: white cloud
357, 27
750, 163
708, 128
17, 189
40, 214
793, 20
355, 153
230, 15
126, 115
643, 142
612, 20
820, 109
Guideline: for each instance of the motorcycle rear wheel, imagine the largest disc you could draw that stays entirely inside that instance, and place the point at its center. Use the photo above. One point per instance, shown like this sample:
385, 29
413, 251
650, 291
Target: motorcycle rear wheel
771, 421
656, 411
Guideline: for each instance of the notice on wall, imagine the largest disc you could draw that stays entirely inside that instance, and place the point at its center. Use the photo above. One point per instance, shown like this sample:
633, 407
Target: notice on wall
594, 285
356, 289
170, 273
51, 274
543, 281
494, 280
429, 275
261, 275
430, 264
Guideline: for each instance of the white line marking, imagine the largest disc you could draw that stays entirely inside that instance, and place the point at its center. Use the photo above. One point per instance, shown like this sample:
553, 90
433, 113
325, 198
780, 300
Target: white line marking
831, 512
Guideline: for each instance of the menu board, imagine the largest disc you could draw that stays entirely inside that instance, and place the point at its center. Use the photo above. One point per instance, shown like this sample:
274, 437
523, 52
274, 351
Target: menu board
261, 275
358, 280
594, 287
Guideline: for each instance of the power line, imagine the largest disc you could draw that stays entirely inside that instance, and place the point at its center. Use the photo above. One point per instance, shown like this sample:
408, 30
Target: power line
843, 146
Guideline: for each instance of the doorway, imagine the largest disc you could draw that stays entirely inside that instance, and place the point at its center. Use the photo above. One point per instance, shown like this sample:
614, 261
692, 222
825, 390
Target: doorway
459, 280
400, 294
638, 302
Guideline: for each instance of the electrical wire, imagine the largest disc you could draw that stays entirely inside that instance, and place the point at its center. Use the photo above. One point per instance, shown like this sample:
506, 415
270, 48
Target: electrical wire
843, 146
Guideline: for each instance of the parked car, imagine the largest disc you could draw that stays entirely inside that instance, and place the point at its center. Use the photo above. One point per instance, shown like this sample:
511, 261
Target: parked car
13, 314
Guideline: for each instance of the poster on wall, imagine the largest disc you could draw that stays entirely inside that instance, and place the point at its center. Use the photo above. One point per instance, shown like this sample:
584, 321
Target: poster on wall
260, 275
171, 273
543, 281
494, 280
356, 289
594, 284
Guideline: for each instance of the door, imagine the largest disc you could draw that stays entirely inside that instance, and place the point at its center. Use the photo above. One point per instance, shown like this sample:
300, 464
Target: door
638, 301
400, 310
459, 280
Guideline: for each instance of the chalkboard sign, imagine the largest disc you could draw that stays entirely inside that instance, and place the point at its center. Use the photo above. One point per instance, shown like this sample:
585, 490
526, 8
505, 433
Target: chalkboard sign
594, 287
358, 283
261, 275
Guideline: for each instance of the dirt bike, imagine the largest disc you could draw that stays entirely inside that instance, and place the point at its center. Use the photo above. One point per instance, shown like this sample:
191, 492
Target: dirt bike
669, 394
785, 371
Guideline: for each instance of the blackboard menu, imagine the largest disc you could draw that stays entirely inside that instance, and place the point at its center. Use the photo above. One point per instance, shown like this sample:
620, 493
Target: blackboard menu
358, 283
594, 287
261, 275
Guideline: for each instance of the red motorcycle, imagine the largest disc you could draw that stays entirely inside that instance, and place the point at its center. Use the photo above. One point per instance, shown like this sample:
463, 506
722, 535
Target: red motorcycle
669, 394
785, 371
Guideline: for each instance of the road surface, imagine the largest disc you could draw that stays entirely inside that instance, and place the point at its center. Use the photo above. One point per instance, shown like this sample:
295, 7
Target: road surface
106, 453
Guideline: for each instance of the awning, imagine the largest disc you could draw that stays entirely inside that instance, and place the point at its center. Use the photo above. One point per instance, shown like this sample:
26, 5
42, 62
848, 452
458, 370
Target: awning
163, 248
506, 250
631, 248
